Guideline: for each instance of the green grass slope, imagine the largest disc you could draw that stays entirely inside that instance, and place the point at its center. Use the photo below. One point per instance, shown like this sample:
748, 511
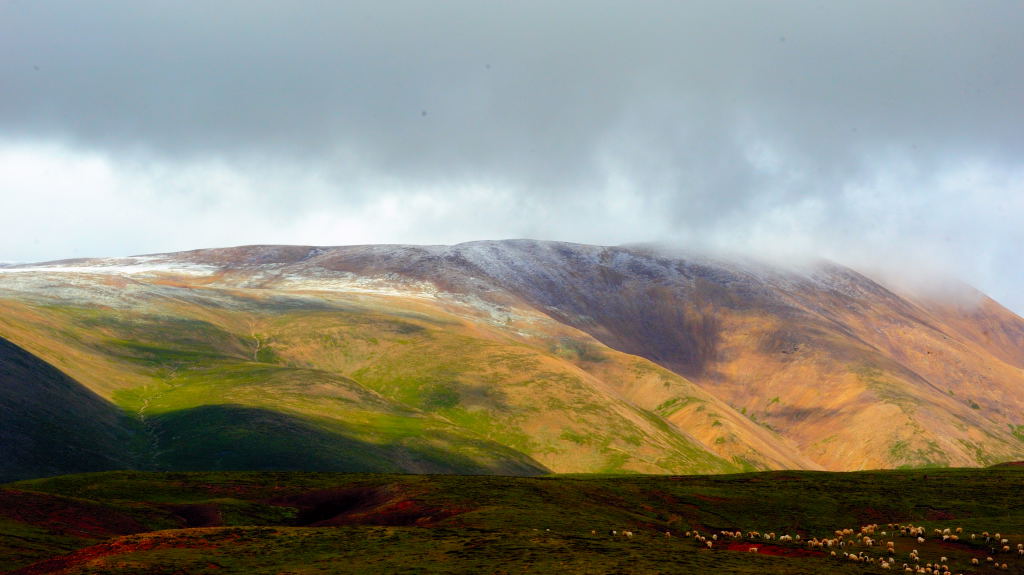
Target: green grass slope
51, 425
120, 522
325, 382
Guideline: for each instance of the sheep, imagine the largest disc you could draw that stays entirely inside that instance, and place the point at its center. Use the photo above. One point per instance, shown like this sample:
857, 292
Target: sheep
920, 539
974, 561
709, 544
753, 550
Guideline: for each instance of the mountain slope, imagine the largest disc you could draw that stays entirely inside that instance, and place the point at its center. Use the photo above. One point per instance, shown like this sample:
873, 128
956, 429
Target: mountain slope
51, 424
521, 355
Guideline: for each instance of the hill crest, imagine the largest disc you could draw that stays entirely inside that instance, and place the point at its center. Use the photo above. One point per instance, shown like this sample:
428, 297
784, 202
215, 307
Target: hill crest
704, 363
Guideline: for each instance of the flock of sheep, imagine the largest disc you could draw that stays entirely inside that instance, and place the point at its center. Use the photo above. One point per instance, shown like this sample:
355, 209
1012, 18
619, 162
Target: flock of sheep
873, 545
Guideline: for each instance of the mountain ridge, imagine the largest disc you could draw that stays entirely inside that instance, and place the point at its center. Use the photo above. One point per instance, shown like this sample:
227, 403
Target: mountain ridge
754, 365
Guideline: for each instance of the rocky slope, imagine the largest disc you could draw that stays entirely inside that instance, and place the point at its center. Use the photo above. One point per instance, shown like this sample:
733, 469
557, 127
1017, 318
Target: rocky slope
523, 356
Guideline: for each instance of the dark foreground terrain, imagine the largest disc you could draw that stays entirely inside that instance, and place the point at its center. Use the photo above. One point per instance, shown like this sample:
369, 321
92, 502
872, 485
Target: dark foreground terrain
233, 522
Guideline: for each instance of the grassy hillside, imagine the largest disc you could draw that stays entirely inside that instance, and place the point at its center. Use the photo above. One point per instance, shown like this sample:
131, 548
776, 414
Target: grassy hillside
221, 379
522, 357
311, 523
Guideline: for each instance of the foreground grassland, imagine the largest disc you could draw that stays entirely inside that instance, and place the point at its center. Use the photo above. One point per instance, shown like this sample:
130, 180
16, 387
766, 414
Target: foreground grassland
234, 522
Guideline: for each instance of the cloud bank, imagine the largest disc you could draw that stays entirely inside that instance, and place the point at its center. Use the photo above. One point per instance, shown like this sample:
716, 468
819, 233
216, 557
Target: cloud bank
875, 133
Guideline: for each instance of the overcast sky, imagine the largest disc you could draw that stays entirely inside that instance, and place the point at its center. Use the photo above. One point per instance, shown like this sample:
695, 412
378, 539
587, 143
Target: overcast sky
881, 133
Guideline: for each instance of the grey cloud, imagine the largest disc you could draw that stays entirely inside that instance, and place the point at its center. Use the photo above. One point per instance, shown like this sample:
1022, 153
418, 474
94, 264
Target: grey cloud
714, 113
521, 91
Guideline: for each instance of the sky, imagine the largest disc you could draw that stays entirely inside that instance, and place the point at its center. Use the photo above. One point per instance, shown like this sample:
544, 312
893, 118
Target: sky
887, 135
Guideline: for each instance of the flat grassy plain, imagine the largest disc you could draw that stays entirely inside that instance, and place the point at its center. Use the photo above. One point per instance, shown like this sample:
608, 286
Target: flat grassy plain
293, 522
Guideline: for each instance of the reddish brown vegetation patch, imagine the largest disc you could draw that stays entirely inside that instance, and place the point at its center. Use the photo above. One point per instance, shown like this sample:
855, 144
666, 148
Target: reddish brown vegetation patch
938, 515
774, 550
66, 516
711, 498
198, 515
963, 548
364, 506
406, 512
121, 546
871, 515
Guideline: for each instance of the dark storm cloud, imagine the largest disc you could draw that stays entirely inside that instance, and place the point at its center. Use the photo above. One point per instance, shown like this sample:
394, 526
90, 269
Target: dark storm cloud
522, 91
704, 116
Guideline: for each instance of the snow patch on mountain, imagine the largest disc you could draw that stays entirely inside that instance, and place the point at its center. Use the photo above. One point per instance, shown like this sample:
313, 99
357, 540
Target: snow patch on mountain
116, 266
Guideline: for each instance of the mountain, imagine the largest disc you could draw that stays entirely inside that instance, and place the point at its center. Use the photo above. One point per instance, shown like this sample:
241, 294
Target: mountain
523, 357
50, 423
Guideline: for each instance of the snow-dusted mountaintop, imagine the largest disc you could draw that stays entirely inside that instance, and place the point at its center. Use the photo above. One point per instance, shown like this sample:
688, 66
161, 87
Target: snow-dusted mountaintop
544, 273
126, 266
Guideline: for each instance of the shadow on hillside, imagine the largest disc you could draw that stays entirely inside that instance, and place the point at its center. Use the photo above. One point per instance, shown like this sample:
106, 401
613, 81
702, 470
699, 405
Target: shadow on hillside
51, 424
235, 437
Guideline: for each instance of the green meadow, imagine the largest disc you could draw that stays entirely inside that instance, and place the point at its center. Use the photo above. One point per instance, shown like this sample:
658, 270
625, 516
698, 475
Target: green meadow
294, 522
